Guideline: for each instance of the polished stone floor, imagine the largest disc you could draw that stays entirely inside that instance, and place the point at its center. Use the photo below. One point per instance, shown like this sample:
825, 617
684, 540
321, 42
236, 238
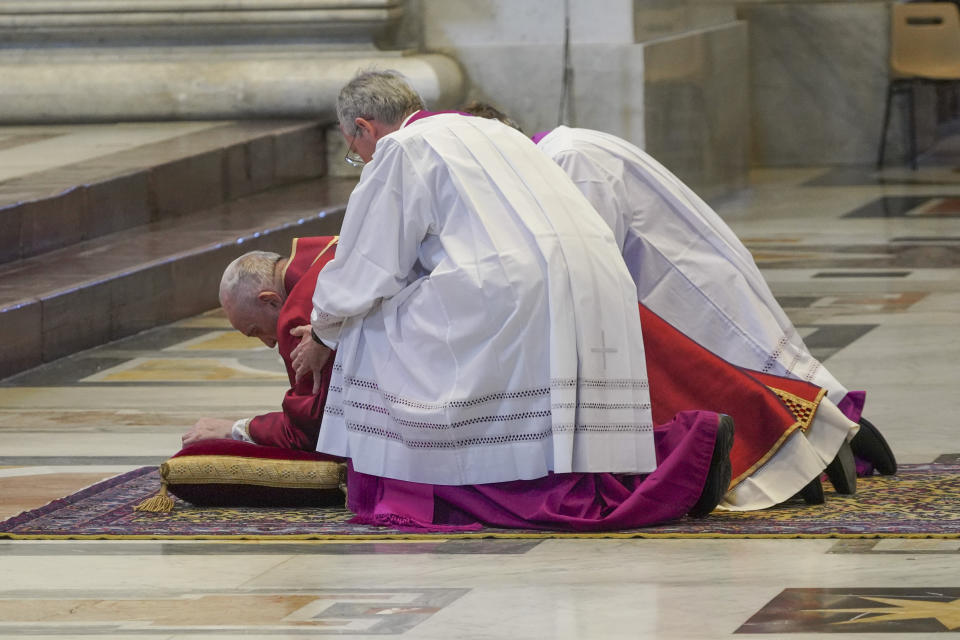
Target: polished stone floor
867, 265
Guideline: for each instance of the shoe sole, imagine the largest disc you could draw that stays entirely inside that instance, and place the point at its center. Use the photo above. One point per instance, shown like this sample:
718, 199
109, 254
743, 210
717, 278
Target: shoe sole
813, 492
842, 471
713, 493
870, 444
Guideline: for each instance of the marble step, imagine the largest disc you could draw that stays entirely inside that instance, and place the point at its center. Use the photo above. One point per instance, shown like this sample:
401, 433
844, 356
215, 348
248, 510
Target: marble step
118, 284
70, 183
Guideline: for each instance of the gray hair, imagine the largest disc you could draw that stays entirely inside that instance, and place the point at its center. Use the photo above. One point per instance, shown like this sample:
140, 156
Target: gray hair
377, 95
247, 276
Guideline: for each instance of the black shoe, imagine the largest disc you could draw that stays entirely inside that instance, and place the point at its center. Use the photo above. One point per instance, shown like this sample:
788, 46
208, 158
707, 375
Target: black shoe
843, 471
718, 477
813, 492
870, 445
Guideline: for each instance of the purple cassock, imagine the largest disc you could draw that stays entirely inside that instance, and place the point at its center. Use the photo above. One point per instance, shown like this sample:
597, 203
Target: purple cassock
564, 502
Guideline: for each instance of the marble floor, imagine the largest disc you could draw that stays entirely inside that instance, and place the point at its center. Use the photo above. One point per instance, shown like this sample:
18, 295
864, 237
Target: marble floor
868, 266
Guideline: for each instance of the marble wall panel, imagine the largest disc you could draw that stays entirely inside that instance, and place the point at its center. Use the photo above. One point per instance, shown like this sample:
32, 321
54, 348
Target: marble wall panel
609, 85
696, 106
524, 80
696, 118
470, 23
655, 19
606, 89
818, 83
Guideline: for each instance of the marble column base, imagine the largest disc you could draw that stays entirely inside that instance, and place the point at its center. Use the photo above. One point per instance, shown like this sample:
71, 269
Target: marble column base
200, 83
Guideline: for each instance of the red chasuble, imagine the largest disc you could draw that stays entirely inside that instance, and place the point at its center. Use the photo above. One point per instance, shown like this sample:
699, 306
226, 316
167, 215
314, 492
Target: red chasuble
298, 425
765, 408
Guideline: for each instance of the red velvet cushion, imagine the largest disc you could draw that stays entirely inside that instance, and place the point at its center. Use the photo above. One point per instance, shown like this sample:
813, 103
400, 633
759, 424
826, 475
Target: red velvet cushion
231, 473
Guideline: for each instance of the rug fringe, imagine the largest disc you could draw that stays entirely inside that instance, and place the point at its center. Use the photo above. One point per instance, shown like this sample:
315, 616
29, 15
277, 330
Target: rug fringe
160, 503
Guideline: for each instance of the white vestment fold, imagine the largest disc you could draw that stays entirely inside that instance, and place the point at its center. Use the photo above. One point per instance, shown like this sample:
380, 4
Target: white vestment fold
688, 265
692, 270
487, 327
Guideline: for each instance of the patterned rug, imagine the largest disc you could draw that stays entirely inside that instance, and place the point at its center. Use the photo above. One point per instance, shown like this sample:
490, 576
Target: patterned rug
922, 501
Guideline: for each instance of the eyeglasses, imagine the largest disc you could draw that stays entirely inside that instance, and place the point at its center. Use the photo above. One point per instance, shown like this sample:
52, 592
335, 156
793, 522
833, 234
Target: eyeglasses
353, 158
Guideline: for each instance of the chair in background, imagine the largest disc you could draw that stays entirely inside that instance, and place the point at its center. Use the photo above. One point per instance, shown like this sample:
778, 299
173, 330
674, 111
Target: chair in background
924, 49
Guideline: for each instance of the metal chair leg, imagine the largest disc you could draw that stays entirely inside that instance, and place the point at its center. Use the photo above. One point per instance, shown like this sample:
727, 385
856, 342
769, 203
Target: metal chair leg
912, 125
886, 124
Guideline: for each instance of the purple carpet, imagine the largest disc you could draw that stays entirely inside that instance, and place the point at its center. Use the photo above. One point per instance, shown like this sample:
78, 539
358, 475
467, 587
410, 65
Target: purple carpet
920, 501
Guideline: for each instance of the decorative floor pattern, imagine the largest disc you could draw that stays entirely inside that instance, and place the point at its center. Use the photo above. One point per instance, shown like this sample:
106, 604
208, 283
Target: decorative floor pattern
859, 610
293, 613
908, 206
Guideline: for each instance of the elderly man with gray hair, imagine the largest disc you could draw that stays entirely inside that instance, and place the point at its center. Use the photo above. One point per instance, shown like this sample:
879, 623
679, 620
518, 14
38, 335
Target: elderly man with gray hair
264, 296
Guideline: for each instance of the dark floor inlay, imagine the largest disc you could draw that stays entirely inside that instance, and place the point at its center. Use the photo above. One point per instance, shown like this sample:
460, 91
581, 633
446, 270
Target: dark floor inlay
885, 257
864, 176
797, 302
947, 206
830, 338
859, 610
862, 274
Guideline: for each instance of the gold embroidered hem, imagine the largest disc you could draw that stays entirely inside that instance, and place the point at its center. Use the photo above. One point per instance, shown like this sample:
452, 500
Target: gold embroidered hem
803, 410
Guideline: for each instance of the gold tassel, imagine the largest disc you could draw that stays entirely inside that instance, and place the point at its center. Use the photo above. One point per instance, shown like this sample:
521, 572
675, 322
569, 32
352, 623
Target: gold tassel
160, 503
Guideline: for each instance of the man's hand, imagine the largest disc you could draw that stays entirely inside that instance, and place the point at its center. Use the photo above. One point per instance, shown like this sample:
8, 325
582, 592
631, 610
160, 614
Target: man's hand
309, 356
208, 429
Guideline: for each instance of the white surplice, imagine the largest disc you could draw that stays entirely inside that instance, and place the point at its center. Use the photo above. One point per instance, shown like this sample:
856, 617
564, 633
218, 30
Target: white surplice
486, 324
688, 265
692, 270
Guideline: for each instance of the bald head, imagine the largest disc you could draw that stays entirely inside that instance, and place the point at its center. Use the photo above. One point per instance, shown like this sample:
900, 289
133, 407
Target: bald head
251, 294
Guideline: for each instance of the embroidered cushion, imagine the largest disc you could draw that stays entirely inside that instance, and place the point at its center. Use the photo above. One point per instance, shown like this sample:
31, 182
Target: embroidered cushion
231, 473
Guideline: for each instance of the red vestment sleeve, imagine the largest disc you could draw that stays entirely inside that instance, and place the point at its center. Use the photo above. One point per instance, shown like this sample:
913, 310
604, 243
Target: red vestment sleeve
297, 426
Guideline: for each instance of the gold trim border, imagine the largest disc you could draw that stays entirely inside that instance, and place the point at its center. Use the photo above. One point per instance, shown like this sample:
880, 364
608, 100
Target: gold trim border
465, 536
329, 244
815, 403
266, 472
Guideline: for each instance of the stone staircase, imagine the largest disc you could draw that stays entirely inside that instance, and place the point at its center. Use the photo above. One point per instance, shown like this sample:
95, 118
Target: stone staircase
105, 243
